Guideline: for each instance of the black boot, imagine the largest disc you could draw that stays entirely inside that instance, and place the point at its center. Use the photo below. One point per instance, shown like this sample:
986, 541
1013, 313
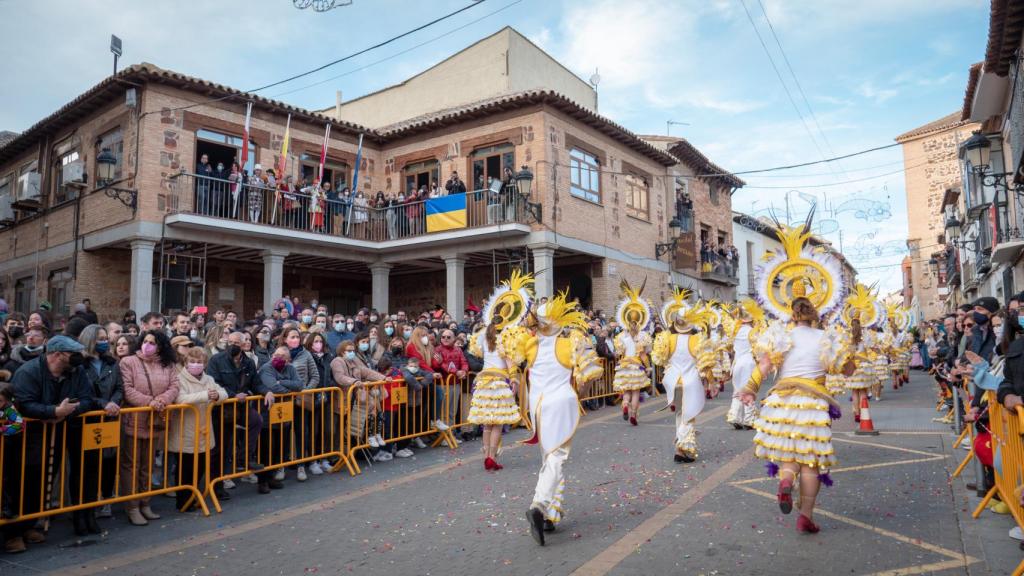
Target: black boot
536, 519
90, 521
78, 520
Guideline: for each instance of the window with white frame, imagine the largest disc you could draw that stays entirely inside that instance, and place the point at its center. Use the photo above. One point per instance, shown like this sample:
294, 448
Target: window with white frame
62, 191
637, 197
584, 175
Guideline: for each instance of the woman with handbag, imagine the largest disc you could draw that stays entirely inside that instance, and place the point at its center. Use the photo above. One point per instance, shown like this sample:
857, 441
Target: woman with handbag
305, 368
150, 380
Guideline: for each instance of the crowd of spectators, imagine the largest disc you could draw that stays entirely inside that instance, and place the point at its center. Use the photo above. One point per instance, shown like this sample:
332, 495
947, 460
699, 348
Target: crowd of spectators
55, 368
721, 259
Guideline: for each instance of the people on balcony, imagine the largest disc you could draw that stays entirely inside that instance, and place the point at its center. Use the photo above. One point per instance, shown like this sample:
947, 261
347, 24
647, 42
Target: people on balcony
204, 171
254, 194
455, 185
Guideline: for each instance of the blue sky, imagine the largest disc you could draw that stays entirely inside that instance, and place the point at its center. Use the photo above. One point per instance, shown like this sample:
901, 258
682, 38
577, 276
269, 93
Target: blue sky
869, 69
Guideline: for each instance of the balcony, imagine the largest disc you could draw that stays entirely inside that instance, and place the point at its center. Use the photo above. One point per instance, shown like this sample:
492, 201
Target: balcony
210, 202
719, 269
1009, 239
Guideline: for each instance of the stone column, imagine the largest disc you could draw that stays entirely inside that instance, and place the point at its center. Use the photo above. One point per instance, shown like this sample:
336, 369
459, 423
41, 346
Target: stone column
273, 278
455, 269
141, 295
543, 269
381, 277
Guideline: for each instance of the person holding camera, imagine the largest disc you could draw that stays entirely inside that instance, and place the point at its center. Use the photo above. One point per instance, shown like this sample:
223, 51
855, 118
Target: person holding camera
454, 184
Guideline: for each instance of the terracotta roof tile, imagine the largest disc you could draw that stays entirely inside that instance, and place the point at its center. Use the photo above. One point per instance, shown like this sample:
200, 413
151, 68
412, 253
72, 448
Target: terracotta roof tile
705, 168
972, 87
1005, 25
945, 123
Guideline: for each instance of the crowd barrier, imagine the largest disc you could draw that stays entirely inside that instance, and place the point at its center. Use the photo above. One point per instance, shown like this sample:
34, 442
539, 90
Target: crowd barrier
1008, 456
257, 437
94, 459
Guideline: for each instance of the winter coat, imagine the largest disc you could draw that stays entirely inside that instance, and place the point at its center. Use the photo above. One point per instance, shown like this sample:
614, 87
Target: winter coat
234, 379
37, 393
106, 385
449, 360
139, 390
183, 427
306, 369
20, 356
283, 382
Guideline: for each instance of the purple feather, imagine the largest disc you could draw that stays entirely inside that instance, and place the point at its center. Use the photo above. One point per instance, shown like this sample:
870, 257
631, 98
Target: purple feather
834, 412
772, 468
825, 479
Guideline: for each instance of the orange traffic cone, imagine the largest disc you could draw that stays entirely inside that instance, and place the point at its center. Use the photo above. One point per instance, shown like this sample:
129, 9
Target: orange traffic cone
866, 427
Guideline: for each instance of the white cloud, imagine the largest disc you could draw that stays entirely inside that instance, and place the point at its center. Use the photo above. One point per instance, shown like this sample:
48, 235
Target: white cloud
868, 90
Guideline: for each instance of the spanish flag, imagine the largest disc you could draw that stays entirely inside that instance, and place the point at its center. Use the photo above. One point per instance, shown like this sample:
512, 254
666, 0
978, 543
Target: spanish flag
446, 213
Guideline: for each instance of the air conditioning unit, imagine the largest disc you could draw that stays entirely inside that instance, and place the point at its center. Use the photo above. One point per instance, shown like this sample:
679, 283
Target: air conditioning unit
27, 196
73, 173
6, 210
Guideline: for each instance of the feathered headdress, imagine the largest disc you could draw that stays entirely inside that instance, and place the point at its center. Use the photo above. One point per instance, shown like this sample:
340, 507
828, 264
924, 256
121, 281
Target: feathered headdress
862, 303
510, 302
559, 313
633, 313
799, 271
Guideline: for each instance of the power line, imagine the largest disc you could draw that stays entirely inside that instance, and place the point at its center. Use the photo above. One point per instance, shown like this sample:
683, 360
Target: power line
863, 169
248, 93
801, 165
799, 87
397, 54
854, 181
778, 74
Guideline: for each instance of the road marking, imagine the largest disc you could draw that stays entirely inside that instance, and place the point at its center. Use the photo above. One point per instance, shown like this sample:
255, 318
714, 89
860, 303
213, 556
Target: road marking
897, 448
922, 569
285, 514
608, 559
961, 558
851, 469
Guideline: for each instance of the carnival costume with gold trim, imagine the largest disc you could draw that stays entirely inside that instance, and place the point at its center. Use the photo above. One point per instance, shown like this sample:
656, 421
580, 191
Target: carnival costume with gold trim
902, 341
633, 344
493, 401
750, 323
678, 350
795, 420
554, 360
861, 306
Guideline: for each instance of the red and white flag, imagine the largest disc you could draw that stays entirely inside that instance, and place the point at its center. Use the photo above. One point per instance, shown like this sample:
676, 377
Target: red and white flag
245, 136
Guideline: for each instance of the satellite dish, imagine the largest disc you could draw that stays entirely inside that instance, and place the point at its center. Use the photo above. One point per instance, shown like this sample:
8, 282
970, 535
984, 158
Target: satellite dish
595, 79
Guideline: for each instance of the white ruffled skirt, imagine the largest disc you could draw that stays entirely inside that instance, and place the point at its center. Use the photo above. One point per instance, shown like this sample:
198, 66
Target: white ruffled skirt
796, 428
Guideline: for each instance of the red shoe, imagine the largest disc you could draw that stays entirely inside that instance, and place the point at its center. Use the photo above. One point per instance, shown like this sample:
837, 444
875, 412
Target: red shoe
497, 466
490, 464
625, 411
856, 418
805, 525
632, 420
785, 496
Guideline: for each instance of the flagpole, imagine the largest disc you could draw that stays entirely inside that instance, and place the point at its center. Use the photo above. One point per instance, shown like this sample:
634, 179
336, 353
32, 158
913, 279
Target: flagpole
355, 183
319, 175
245, 155
283, 166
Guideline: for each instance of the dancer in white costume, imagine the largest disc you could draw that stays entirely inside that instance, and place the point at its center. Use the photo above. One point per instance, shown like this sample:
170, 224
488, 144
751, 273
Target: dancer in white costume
554, 360
494, 400
632, 348
751, 321
678, 350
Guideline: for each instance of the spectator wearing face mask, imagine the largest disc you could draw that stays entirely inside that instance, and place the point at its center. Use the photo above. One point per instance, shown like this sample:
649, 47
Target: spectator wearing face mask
15, 325
107, 392
317, 427
340, 331
419, 347
35, 341
235, 373
52, 388
348, 370
150, 380
306, 318
199, 389
277, 377
320, 323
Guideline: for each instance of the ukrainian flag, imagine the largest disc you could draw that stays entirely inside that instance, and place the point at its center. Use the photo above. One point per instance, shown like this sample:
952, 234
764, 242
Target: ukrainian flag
446, 213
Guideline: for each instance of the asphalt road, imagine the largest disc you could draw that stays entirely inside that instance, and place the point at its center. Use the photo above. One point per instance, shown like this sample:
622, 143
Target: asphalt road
629, 510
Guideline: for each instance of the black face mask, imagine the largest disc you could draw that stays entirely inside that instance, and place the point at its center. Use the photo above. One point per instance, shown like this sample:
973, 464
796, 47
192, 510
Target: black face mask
396, 349
234, 350
979, 318
16, 332
76, 359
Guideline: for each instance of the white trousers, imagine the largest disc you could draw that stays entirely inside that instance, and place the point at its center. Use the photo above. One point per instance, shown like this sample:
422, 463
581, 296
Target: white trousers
740, 413
551, 484
686, 434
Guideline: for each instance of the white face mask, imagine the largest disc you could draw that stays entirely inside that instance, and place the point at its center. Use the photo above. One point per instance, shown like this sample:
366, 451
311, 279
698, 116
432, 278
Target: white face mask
425, 340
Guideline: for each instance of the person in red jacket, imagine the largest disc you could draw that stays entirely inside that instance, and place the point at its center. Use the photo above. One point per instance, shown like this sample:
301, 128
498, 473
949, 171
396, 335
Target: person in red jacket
448, 360
419, 347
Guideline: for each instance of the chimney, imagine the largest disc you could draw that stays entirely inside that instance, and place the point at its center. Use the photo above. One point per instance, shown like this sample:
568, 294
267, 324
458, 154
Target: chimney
337, 104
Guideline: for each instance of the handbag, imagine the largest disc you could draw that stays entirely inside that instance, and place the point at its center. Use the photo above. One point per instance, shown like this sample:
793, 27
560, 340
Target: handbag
160, 418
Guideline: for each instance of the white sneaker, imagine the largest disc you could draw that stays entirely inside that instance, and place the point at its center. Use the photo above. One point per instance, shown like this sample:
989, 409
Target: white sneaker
418, 442
386, 456
380, 440
404, 453
440, 425
229, 484
315, 469
372, 440
1016, 533
279, 474
326, 466
250, 479
300, 474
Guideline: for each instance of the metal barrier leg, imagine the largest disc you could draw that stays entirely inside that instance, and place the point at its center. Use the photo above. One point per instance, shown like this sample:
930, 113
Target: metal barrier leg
984, 501
963, 465
961, 437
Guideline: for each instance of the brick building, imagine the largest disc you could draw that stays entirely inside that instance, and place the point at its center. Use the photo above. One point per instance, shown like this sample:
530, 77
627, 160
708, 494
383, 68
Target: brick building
600, 201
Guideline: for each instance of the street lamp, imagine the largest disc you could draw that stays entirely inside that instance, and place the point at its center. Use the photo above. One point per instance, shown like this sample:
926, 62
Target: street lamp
978, 149
953, 228
524, 183
106, 163
662, 248
933, 263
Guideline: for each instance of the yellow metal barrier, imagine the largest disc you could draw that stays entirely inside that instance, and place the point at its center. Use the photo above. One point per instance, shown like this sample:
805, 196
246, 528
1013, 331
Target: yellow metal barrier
1006, 428
95, 459
253, 437
396, 413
